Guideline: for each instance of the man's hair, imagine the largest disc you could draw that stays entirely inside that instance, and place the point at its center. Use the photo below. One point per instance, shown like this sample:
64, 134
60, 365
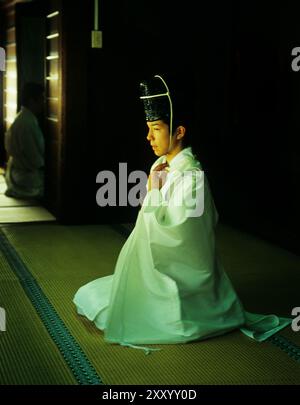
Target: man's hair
189, 129
31, 91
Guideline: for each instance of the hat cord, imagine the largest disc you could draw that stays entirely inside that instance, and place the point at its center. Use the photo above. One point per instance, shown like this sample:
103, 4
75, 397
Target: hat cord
171, 111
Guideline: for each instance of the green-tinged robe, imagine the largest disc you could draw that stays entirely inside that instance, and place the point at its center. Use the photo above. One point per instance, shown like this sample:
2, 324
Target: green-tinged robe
169, 285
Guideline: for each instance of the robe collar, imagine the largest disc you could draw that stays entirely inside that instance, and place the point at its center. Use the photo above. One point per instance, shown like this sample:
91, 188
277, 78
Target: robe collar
181, 155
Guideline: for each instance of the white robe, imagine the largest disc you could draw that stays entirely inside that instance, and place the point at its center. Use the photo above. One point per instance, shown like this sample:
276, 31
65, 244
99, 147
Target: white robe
24, 143
169, 285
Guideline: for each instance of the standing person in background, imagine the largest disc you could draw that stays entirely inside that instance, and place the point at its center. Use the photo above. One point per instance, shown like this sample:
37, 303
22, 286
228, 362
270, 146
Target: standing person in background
24, 144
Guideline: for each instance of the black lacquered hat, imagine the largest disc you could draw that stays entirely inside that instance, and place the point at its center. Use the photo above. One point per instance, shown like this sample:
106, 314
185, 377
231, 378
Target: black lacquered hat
156, 99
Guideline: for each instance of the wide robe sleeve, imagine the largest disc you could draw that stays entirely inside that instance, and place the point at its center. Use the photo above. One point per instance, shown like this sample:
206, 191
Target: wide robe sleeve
182, 236
169, 285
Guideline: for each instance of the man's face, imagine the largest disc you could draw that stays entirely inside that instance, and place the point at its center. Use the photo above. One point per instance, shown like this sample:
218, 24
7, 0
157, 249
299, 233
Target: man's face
158, 136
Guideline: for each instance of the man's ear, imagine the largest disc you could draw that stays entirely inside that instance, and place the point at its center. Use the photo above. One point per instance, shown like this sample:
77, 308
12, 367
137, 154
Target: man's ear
180, 132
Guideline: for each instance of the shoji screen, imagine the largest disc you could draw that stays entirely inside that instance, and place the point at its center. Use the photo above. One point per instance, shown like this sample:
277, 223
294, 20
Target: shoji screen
53, 104
10, 76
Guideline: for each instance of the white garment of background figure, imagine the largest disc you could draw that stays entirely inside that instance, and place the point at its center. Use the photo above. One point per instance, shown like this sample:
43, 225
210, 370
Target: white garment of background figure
24, 144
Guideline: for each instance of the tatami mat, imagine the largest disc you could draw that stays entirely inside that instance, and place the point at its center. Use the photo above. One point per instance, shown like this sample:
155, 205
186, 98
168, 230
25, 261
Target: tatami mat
24, 214
28, 354
64, 258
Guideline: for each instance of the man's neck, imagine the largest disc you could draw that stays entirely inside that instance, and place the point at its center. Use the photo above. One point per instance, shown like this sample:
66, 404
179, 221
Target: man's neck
173, 153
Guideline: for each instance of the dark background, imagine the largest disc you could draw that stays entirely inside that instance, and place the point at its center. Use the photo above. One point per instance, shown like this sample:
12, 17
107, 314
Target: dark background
247, 101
